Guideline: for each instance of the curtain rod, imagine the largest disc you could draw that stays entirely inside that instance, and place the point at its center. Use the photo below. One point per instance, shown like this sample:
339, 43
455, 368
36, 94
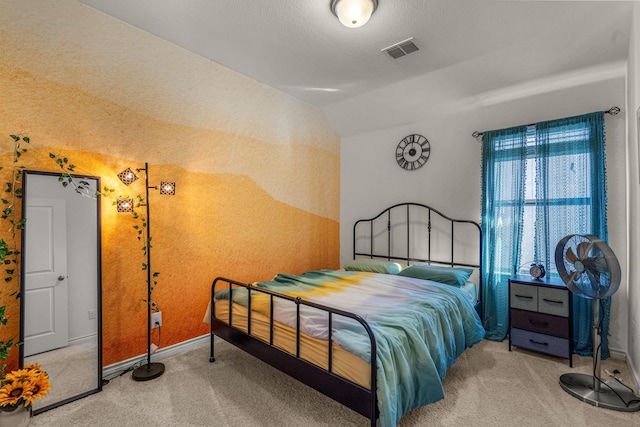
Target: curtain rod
613, 111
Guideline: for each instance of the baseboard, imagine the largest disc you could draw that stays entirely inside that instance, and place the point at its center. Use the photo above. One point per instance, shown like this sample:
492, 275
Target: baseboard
617, 354
621, 355
634, 374
182, 347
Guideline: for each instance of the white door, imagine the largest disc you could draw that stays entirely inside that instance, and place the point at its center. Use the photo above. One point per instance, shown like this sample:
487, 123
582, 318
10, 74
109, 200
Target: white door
45, 276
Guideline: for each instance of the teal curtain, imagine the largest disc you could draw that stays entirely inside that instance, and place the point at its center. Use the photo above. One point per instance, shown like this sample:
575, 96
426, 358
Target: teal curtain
568, 196
504, 168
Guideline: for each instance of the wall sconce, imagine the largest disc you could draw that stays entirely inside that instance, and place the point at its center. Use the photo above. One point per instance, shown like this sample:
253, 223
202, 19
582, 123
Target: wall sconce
127, 176
353, 13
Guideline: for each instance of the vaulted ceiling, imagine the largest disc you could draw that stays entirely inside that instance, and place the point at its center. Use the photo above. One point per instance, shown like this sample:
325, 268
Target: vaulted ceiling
471, 46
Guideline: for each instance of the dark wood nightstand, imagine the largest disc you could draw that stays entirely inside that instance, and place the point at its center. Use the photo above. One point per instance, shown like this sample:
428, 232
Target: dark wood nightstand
540, 316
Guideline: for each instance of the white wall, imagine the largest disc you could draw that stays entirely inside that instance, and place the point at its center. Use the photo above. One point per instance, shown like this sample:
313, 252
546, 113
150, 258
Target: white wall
633, 128
450, 181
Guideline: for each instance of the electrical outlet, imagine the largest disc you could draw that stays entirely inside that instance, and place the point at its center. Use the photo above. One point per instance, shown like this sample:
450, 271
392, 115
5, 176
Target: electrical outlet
92, 314
156, 319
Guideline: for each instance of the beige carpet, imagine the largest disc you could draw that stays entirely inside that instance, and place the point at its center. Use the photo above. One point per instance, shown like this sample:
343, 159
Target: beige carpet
72, 370
488, 386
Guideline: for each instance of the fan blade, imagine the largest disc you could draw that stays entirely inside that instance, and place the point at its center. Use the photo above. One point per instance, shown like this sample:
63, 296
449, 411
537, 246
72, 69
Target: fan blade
570, 256
583, 249
575, 276
598, 264
594, 281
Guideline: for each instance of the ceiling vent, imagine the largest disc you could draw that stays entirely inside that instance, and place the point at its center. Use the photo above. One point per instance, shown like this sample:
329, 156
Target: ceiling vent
403, 48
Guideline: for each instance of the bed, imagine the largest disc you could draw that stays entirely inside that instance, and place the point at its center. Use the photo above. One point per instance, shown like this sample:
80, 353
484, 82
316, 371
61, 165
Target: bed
377, 335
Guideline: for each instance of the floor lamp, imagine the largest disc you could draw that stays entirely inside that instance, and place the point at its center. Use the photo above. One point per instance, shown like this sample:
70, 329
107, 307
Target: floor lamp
150, 370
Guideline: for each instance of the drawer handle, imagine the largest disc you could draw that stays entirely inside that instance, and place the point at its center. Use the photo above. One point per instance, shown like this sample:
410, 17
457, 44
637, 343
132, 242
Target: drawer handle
536, 323
537, 342
524, 296
553, 301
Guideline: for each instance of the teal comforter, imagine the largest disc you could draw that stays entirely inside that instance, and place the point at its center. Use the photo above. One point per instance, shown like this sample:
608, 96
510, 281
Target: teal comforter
420, 327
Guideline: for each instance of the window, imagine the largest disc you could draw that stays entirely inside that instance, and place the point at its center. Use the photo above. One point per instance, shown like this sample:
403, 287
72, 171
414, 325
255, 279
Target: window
540, 183
561, 203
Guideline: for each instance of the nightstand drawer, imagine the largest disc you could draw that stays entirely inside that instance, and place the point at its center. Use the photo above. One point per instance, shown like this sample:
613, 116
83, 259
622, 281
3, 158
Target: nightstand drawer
553, 301
524, 297
539, 322
539, 342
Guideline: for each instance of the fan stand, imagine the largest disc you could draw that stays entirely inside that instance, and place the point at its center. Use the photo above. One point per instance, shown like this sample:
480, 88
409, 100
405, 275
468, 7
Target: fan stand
591, 389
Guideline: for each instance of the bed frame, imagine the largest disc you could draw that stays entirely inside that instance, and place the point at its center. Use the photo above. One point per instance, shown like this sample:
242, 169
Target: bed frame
396, 218
391, 233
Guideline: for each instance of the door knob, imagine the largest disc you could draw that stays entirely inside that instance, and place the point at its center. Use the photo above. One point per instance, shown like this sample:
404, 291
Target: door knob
61, 278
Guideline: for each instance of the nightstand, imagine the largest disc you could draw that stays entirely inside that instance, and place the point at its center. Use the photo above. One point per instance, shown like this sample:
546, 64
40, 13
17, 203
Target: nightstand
540, 316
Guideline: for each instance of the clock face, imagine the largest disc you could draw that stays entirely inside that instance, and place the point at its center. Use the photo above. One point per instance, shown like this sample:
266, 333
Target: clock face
537, 271
412, 152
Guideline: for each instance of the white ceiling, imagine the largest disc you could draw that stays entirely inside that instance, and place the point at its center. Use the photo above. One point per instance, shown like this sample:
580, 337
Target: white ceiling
299, 47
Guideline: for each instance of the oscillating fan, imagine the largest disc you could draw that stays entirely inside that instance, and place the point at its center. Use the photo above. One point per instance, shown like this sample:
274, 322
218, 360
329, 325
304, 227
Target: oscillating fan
590, 269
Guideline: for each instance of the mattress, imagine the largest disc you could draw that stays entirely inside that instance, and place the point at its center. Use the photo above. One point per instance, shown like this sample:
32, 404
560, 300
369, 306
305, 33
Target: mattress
313, 350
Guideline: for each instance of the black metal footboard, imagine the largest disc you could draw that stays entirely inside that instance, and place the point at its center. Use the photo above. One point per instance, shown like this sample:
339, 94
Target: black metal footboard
350, 394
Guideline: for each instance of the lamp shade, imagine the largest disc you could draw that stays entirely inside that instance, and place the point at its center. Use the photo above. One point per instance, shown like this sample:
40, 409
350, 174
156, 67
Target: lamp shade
168, 188
127, 176
353, 13
125, 205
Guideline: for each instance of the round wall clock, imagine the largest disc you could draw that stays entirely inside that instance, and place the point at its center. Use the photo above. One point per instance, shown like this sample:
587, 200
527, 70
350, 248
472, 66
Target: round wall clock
412, 152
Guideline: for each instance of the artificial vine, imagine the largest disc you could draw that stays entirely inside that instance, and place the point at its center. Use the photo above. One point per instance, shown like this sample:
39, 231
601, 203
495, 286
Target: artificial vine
141, 229
9, 252
81, 186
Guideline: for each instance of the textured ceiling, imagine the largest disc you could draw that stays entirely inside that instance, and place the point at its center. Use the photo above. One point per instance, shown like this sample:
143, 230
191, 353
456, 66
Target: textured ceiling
299, 47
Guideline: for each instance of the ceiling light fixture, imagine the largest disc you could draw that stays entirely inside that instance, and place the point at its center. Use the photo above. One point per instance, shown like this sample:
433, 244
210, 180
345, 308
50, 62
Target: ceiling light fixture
353, 13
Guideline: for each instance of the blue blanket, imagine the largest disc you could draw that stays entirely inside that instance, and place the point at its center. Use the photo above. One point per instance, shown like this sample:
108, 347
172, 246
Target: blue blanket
420, 327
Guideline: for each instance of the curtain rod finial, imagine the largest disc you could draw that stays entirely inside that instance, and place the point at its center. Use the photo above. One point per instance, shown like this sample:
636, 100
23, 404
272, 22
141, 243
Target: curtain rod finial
613, 111
476, 134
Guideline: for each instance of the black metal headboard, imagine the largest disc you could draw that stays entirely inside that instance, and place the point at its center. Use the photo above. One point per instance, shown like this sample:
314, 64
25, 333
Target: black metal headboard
413, 232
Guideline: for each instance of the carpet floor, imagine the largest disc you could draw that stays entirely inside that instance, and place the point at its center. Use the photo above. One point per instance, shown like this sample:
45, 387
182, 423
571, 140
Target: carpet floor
488, 386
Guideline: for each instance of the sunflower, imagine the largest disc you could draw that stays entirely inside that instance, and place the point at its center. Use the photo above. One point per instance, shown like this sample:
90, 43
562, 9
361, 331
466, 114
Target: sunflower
24, 386
21, 375
39, 387
33, 367
13, 392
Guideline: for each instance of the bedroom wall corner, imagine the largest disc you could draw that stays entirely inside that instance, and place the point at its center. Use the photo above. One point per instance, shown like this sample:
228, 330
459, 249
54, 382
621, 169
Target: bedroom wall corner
633, 178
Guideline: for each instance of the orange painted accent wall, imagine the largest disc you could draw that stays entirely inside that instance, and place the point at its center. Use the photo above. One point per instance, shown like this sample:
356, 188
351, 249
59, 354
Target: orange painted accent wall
246, 207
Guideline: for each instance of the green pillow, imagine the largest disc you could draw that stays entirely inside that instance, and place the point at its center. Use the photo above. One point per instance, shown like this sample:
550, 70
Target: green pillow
374, 266
447, 275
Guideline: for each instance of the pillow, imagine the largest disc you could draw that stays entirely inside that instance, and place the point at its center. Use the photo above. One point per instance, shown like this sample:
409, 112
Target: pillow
447, 275
374, 266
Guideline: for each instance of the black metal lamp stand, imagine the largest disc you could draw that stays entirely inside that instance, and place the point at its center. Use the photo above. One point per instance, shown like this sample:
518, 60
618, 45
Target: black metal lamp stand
150, 370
